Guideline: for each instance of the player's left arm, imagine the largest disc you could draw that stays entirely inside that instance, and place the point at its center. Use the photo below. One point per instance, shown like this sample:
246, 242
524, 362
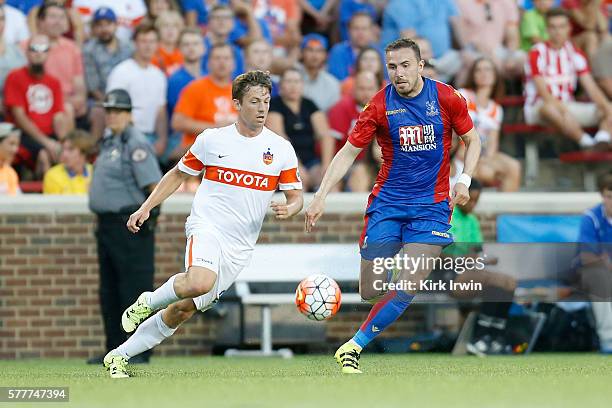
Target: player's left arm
461, 193
292, 206
462, 124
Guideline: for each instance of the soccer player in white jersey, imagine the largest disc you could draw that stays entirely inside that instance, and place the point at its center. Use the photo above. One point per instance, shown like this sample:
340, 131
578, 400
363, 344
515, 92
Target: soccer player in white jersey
243, 164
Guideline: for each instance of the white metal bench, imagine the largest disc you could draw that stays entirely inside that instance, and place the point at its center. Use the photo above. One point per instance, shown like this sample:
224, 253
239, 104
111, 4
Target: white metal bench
292, 263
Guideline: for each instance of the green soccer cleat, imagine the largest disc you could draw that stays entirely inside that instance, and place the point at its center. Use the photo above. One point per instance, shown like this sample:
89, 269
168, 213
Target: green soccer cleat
116, 365
347, 357
136, 314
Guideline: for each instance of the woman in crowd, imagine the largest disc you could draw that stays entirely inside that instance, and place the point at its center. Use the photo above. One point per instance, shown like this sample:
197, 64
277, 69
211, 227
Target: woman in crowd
369, 59
9, 144
482, 86
300, 121
156, 7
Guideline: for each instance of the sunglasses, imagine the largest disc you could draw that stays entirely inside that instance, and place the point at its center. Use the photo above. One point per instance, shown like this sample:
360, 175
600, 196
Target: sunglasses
38, 47
488, 12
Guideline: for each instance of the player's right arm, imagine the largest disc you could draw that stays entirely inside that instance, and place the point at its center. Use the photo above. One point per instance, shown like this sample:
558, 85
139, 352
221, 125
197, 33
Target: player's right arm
360, 137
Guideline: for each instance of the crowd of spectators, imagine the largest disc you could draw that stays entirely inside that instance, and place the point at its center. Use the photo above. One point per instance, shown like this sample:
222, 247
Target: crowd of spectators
176, 59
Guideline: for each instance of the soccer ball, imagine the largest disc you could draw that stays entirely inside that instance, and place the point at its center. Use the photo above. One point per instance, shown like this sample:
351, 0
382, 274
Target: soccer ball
318, 297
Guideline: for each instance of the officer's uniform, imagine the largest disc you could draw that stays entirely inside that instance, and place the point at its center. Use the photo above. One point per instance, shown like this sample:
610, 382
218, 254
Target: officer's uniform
125, 166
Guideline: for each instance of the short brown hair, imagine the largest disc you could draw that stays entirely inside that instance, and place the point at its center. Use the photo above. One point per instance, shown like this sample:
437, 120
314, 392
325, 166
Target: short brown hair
404, 43
188, 31
556, 12
605, 182
218, 45
81, 140
144, 28
244, 82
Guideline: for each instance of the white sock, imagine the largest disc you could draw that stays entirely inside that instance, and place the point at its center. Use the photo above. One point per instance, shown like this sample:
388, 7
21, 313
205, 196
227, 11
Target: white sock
586, 140
602, 136
148, 335
164, 295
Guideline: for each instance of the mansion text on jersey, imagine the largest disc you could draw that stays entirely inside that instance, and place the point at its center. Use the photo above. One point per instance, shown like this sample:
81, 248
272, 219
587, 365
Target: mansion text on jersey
417, 138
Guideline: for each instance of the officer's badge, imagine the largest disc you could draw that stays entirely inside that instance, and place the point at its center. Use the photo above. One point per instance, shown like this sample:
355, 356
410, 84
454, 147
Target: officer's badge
268, 157
139, 155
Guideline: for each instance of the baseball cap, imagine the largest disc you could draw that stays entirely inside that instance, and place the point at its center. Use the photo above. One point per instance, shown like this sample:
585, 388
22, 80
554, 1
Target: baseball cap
118, 99
314, 39
6, 129
104, 13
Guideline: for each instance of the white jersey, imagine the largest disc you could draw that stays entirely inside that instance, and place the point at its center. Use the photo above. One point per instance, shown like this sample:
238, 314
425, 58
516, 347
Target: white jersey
240, 176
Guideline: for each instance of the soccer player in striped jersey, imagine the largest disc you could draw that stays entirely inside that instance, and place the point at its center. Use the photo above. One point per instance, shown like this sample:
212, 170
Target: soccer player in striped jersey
409, 209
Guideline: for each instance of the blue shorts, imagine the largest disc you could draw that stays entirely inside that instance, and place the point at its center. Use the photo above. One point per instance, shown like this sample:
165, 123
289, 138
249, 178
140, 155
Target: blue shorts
389, 226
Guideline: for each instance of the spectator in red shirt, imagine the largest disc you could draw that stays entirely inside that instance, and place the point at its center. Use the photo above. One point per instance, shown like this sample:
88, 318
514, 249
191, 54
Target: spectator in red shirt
343, 116
64, 61
553, 70
34, 103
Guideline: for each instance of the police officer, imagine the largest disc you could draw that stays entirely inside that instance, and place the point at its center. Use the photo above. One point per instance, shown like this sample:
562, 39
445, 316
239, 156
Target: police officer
125, 172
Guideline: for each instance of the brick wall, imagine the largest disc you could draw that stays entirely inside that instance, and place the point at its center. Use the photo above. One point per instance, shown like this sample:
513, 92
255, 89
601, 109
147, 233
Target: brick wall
49, 283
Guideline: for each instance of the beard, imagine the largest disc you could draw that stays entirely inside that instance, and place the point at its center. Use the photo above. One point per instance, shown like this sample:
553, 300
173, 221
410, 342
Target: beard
37, 69
106, 39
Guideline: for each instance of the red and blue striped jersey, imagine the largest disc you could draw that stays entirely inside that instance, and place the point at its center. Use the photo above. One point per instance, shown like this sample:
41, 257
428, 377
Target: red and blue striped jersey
415, 136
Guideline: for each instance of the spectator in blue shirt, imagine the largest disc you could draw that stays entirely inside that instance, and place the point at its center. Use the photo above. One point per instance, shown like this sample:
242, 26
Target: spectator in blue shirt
221, 25
596, 259
343, 55
196, 11
191, 45
435, 20
348, 8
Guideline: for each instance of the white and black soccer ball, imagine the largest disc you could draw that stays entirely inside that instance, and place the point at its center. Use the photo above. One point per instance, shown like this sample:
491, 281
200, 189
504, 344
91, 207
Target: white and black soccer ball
318, 297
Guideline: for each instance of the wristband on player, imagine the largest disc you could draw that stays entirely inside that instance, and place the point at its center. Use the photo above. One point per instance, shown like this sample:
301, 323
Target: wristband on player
465, 179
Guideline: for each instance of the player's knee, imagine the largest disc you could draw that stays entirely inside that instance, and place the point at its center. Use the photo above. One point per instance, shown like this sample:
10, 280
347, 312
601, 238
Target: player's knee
200, 284
179, 312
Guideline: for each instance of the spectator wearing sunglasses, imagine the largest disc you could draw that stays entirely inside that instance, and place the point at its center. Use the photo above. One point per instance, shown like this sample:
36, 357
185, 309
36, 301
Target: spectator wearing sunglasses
33, 101
491, 29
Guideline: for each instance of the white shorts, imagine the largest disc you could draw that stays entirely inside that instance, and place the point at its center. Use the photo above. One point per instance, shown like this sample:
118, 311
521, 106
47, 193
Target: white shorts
204, 249
585, 113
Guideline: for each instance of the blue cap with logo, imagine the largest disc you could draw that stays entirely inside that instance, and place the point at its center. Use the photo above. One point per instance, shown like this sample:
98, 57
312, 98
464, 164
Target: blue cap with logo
314, 39
104, 13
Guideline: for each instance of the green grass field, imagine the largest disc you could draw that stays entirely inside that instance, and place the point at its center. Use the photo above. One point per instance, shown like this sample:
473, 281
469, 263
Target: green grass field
423, 380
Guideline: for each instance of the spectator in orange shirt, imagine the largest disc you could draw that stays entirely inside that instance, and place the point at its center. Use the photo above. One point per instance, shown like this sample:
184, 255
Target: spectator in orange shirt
168, 57
65, 61
9, 144
207, 102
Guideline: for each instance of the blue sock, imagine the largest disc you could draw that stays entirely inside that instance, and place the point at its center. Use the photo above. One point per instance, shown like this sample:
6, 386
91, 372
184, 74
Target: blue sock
385, 312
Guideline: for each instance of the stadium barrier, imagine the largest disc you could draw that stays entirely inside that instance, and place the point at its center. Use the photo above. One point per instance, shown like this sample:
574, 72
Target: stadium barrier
49, 273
